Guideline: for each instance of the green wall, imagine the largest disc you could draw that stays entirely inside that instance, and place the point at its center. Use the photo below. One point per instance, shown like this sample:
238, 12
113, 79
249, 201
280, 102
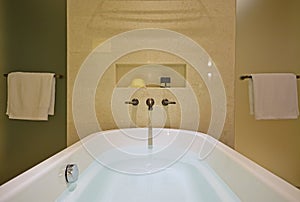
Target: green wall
32, 38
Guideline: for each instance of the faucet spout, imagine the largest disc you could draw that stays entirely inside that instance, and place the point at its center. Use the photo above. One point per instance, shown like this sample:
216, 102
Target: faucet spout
150, 137
150, 102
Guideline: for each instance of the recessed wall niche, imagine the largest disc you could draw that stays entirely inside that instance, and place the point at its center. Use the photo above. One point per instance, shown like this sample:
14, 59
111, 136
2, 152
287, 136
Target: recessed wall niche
150, 75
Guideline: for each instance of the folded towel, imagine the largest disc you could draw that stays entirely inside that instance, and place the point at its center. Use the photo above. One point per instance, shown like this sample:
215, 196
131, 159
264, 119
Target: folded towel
275, 96
30, 96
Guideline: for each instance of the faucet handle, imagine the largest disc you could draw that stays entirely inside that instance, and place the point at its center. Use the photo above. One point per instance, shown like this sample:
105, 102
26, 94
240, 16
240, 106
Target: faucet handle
134, 102
166, 102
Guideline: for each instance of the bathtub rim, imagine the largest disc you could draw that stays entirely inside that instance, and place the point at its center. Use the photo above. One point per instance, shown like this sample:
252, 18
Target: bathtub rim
58, 161
21, 181
269, 179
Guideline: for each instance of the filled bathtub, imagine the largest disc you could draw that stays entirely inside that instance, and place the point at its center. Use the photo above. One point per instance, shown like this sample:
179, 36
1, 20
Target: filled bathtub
117, 165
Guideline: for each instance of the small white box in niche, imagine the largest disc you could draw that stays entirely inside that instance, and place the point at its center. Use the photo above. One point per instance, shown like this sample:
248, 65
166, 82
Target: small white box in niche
149, 75
165, 82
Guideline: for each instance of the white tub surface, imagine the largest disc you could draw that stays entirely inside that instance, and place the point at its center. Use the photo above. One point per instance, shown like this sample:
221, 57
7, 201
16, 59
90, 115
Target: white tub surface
205, 166
186, 180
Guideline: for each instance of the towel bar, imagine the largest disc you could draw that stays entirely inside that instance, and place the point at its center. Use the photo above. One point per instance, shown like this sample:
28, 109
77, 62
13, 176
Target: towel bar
59, 76
250, 77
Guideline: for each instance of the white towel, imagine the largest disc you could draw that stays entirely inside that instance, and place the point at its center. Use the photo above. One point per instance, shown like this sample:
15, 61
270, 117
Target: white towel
30, 96
275, 96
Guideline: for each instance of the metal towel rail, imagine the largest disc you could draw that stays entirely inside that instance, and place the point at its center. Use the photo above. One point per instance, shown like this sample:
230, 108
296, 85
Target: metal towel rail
250, 77
59, 76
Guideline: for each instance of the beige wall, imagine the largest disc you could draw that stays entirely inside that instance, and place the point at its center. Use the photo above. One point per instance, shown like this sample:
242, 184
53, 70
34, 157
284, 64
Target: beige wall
268, 40
210, 23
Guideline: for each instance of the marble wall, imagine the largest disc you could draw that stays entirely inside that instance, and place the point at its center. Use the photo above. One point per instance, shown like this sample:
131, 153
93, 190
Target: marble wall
210, 23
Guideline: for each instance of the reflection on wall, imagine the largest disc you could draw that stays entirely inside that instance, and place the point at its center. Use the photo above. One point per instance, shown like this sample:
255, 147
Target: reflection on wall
209, 23
166, 11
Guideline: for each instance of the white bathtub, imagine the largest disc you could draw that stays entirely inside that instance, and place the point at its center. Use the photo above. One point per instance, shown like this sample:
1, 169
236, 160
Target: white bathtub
184, 166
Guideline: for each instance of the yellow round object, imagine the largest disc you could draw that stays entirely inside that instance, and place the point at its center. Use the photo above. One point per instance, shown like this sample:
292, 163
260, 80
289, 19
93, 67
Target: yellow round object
137, 83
